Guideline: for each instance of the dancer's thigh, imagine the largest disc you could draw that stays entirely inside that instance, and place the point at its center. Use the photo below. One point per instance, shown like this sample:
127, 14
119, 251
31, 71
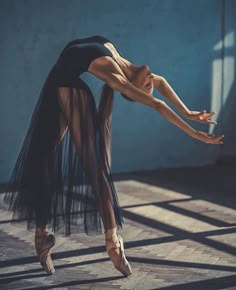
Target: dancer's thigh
70, 111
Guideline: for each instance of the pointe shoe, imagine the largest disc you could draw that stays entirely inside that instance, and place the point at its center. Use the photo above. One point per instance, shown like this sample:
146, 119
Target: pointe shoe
124, 266
43, 245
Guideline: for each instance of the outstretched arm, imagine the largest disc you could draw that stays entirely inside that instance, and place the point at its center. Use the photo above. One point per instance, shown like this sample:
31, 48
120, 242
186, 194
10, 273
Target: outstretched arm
163, 87
119, 83
122, 85
161, 84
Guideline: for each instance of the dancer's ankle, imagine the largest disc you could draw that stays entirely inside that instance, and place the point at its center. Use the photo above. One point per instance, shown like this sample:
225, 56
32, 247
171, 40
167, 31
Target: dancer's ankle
41, 230
110, 234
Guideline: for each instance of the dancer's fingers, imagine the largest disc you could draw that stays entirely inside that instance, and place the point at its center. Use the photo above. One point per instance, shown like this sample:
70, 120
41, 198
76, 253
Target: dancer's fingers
211, 114
211, 134
211, 122
217, 140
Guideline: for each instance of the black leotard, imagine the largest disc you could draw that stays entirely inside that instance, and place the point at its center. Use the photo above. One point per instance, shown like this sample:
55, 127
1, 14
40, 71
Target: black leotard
77, 56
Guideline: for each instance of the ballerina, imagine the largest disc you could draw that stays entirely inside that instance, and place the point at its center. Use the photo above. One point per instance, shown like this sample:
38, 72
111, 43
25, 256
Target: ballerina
62, 176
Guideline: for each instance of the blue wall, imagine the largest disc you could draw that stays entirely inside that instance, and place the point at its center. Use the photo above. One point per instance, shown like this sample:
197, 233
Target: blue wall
180, 40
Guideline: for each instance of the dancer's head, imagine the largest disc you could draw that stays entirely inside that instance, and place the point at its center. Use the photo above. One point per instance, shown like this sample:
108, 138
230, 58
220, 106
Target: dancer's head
142, 78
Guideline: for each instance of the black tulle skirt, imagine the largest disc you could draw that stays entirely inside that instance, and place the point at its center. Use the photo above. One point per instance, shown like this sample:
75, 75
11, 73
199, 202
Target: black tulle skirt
62, 176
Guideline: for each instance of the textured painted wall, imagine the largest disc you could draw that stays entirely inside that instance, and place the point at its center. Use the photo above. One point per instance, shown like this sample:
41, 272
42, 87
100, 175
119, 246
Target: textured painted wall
177, 39
227, 83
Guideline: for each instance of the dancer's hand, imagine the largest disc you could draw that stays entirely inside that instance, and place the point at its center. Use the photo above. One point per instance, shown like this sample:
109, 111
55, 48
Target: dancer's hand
201, 116
207, 137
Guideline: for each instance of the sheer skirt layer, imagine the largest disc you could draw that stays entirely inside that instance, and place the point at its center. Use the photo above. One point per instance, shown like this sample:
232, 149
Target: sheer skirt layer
62, 176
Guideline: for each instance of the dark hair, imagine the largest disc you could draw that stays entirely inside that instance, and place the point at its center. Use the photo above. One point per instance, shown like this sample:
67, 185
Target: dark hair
107, 91
105, 107
127, 98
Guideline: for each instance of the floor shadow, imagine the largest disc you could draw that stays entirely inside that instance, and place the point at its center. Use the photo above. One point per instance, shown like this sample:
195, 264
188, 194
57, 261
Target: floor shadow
202, 236
195, 215
209, 284
37, 273
70, 283
180, 234
214, 183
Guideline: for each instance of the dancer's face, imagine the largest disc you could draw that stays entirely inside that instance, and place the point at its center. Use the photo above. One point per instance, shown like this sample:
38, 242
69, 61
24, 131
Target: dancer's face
143, 79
